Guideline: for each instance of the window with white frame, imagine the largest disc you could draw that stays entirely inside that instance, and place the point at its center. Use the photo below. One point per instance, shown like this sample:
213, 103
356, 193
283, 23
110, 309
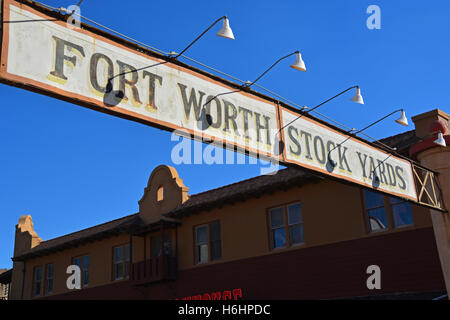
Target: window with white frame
37, 281
286, 225
401, 212
386, 212
208, 242
49, 275
83, 262
121, 262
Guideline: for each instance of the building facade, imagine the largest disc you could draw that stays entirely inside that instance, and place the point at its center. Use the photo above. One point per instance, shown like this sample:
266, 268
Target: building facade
292, 235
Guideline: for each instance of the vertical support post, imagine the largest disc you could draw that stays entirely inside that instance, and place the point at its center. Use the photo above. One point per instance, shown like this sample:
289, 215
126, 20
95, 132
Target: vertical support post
441, 227
436, 158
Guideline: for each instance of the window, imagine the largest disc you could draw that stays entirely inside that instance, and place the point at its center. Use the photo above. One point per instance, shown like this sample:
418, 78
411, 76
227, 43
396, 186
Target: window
208, 243
286, 226
121, 262
160, 194
401, 212
383, 213
278, 228
376, 211
84, 263
155, 245
295, 222
215, 241
37, 280
6, 289
49, 274
201, 244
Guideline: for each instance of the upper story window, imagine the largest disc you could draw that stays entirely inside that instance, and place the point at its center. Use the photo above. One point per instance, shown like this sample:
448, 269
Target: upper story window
5, 290
208, 242
49, 275
37, 281
121, 262
379, 210
286, 226
401, 212
376, 211
84, 263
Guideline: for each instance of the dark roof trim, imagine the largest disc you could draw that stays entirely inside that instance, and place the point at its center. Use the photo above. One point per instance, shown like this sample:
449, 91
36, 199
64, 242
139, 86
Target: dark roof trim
125, 227
135, 226
6, 276
187, 209
156, 226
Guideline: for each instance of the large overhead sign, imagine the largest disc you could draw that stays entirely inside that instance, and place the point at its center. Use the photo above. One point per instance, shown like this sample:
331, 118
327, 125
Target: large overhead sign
92, 69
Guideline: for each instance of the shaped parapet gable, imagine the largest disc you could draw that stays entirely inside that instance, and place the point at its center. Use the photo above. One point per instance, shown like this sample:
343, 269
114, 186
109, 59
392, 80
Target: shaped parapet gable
26, 237
164, 192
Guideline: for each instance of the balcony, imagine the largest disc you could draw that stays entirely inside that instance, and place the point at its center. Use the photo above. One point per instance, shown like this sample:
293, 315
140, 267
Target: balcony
154, 270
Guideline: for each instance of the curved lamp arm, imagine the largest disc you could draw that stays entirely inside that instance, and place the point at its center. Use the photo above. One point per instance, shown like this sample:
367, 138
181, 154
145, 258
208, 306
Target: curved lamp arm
196, 39
273, 65
332, 162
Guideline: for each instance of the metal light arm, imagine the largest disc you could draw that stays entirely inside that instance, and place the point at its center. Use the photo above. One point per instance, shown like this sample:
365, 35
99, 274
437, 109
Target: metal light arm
374, 171
318, 106
332, 98
374, 123
354, 134
249, 85
179, 54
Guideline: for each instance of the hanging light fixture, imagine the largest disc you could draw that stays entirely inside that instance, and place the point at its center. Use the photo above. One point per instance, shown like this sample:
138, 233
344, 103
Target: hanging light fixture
299, 64
402, 120
357, 97
226, 31
440, 140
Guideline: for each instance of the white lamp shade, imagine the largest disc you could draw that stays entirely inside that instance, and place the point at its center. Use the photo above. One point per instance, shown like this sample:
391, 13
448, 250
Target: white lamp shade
440, 140
402, 120
299, 64
226, 30
357, 97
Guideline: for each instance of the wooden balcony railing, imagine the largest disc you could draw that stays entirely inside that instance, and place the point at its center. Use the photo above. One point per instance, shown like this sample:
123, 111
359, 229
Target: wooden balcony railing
153, 270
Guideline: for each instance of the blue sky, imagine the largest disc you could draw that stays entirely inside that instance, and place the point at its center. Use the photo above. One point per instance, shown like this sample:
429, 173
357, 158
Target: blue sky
72, 168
